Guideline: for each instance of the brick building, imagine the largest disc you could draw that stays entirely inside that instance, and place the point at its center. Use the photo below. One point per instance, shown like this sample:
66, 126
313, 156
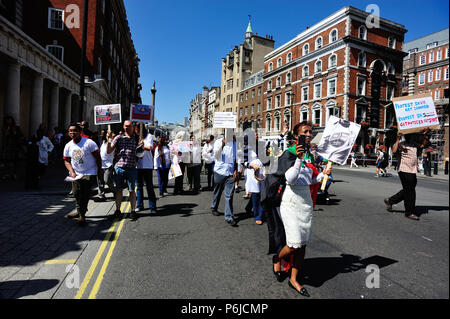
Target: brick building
40, 54
250, 113
426, 70
211, 107
341, 67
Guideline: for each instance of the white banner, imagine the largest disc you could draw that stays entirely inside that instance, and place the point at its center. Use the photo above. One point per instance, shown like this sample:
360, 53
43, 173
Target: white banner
224, 120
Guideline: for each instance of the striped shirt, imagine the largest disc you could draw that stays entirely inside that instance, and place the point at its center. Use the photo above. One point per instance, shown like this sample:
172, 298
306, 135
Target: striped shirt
125, 151
408, 162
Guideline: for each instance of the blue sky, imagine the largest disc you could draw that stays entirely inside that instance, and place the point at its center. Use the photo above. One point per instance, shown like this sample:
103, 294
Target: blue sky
181, 42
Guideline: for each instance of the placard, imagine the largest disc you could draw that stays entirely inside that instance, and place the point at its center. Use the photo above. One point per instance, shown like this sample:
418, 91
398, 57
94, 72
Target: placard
415, 113
224, 120
107, 114
141, 113
338, 139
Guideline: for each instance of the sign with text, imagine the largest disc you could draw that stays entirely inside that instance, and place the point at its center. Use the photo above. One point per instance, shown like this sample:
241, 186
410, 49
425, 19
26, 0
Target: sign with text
415, 113
107, 114
338, 139
224, 120
141, 113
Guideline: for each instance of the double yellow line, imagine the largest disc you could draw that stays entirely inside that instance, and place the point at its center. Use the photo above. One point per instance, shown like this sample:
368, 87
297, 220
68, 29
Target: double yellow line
99, 255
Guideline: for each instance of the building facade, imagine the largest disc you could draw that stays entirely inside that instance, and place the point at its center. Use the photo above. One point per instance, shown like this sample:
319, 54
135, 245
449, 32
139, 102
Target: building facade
426, 70
340, 67
211, 107
250, 113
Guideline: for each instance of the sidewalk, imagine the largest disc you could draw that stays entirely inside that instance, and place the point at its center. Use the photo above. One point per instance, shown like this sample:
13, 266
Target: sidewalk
33, 231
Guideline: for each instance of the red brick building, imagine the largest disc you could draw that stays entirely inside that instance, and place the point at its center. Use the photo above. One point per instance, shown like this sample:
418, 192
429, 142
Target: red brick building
338, 67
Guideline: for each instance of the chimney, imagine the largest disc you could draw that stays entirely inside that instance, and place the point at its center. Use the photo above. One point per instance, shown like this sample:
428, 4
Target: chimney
307, 28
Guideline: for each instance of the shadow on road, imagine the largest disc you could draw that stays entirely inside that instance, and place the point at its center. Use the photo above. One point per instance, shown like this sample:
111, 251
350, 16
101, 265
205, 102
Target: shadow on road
317, 271
30, 287
420, 210
180, 209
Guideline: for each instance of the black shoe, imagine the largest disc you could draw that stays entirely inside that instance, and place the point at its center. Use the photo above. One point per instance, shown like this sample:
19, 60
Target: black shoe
280, 275
233, 222
133, 216
117, 213
302, 291
215, 212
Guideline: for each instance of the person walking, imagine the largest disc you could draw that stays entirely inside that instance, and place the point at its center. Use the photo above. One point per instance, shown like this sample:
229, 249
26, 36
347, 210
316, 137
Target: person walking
254, 184
226, 174
296, 207
12, 139
208, 157
125, 168
379, 163
81, 158
45, 148
408, 167
179, 158
353, 160
145, 167
194, 167
162, 164
427, 163
107, 172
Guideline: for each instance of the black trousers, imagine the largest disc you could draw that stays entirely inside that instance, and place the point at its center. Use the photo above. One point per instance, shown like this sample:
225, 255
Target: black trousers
407, 194
209, 172
178, 187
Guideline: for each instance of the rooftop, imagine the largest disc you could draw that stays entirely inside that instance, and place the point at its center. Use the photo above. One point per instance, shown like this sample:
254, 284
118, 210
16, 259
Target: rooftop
441, 37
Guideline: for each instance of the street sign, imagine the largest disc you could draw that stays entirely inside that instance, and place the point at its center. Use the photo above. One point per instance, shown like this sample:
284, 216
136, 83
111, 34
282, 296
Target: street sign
224, 120
107, 114
141, 113
415, 113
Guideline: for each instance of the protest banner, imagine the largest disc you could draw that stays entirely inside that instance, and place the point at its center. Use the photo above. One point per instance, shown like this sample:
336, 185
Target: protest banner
141, 113
107, 114
338, 139
224, 120
415, 113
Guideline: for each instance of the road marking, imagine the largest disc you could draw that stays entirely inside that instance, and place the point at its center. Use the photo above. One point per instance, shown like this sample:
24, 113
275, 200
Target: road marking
97, 258
99, 280
60, 261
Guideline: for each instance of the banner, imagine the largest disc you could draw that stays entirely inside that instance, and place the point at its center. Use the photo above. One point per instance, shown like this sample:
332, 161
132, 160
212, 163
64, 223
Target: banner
415, 113
225, 120
107, 114
141, 113
338, 139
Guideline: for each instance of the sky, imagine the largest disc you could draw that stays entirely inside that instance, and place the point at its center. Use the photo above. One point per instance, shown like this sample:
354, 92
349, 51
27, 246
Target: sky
181, 43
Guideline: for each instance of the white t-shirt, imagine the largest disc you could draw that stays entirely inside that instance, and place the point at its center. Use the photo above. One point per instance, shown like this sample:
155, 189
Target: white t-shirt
45, 146
82, 160
107, 159
146, 162
252, 185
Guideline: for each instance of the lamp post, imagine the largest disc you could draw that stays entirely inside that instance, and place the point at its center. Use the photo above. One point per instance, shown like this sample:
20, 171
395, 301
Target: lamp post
83, 57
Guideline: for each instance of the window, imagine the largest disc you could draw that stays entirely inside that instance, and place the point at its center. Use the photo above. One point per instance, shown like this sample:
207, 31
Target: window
306, 49
361, 86
421, 78
278, 101
268, 123
55, 19
436, 95
430, 76
289, 57
431, 57
332, 110
278, 62
439, 55
278, 81
391, 69
242, 97
303, 114
362, 59
391, 42
288, 98
422, 59
240, 112
305, 91
103, 5
246, 110
390, 92
259, 91
288, 78
317, 112
438, 74
253, 94
317, 90
246, 96
277, 122
287, 117
360, 113
318, 66
305, 71
270, 66
332, 87
332, 61
269, 103
252, 109
57, 51
319, 43
333, 35
269, 85
258, 107
432, 45
362, 33
446, 53
446, 74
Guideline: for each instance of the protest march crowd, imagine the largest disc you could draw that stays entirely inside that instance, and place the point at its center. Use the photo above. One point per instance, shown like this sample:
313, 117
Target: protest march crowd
283, 196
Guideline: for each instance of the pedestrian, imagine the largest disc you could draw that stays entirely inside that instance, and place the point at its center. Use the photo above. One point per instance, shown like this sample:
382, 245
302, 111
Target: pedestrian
107, 173
254, 184
379, 162
296, 207
45, 148
81, 158
227, 171
162, 164
125, 168
194, 167
179, 158
407, 151
12, 141
353, 160
145, 167
208, 157
427, 163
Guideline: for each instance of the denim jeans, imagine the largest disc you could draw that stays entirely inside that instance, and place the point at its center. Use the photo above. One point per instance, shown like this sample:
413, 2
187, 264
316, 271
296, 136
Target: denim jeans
209, 172
163, 179
257, 208
145, 175
223, 183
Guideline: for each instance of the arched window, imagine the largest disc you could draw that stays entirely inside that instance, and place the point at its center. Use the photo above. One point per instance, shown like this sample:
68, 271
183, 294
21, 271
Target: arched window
270, 66
268, 122
332, 62
362, 59
305, 71
288, 77
277, 127
278, 62
269, 85
304, 113
306, 49
289, 57
319, 43
391, 42
333, 35
318, 66
279, 81
362, 32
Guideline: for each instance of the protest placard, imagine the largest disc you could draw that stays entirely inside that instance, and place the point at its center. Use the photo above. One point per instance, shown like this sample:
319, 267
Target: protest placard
141, 113
107, 114
224, 120
415, 113
338, 139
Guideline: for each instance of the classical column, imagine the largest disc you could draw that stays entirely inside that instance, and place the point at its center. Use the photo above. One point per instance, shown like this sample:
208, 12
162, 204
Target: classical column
411, 83
53, 115
12, 96
68, 110
36, 103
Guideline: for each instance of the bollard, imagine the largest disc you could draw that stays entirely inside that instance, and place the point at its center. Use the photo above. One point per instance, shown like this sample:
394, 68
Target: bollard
446, 168
435, 172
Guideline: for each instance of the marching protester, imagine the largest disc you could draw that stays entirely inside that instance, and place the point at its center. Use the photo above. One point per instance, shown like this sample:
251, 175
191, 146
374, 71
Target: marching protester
407, 169
254, 184
45, 148
208, 157
125, 149
106, 177
82, 160
226, 174
162, 164
296, 206
145, 173
179, 159
194, 167
379, 163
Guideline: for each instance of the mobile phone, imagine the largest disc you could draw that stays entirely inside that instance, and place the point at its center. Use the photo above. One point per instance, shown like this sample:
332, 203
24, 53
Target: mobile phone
302, 141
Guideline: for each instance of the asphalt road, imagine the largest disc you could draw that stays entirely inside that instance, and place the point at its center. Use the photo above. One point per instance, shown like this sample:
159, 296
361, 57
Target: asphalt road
185, 252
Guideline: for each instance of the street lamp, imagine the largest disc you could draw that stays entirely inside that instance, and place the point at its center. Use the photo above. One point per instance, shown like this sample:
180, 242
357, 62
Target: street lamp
83, 57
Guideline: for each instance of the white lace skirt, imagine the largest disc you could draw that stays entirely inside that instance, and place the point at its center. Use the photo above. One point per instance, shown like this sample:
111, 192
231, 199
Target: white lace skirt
296, 211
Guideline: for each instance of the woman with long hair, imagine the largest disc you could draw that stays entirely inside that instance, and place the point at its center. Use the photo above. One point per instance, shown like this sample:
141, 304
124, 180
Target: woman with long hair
162, 164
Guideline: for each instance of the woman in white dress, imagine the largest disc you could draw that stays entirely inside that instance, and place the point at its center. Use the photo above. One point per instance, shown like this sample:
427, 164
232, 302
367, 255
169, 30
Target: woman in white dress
296, 207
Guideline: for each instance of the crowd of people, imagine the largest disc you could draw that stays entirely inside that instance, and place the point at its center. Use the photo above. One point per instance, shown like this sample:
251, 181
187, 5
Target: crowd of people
284, 198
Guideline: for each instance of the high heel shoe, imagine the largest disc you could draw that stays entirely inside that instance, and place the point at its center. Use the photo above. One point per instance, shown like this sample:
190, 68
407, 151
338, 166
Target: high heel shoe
302, 291
278, 274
